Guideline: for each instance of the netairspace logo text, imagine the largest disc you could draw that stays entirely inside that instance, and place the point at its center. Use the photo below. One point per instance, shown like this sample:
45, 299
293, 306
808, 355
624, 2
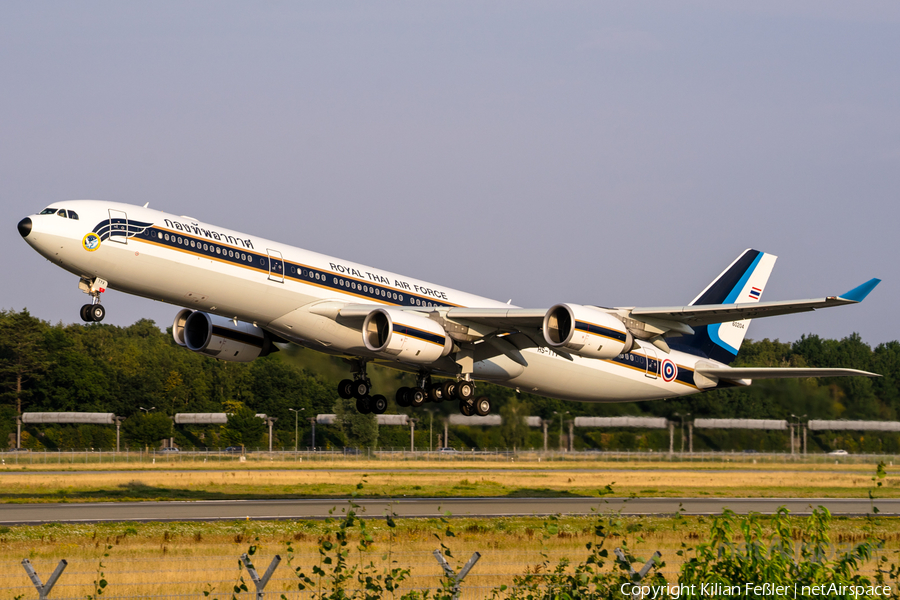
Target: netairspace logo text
719, 590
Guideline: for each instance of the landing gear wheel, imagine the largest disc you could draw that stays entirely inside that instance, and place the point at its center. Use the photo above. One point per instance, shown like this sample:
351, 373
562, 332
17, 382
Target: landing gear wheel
363, 405
378, 404
345, 389
416, 397
467, 407
483, 406
449, 389
436, 393
465, 390
360, 388
402, 397
97, 312
86, 313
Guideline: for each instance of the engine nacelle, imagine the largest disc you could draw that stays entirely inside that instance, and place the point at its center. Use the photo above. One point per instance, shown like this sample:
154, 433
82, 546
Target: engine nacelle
586, 331
405, 336
220, 338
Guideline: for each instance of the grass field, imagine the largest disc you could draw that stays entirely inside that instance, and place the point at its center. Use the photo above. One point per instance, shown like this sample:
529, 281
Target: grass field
282, 480
171, 558
149, 559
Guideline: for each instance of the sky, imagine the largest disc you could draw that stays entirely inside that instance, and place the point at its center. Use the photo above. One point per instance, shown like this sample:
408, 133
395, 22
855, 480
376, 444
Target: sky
614, 153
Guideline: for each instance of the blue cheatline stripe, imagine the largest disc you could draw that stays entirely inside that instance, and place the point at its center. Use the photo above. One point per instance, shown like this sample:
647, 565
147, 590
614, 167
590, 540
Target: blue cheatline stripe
639, 362
262, 263
713, 330
598, 330
419, 333
122, 227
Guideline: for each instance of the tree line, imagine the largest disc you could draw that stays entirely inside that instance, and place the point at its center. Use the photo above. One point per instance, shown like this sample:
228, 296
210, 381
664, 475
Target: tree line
139, 373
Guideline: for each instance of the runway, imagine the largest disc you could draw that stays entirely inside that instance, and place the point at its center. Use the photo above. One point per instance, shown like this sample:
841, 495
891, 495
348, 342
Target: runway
15, 514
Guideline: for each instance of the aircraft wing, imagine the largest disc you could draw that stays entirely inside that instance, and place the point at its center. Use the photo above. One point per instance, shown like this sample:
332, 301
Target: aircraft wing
778, 372
722, 313
503, 319
490, 322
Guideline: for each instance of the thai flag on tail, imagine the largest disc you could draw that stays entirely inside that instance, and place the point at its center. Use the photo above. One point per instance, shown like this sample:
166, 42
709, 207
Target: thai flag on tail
755, 292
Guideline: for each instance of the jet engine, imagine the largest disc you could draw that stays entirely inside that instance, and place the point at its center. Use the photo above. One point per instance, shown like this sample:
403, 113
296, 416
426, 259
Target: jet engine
405, 336
221, 338
586, 331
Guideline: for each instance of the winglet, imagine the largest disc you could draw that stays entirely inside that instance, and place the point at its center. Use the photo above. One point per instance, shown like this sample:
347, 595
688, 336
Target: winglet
859, 293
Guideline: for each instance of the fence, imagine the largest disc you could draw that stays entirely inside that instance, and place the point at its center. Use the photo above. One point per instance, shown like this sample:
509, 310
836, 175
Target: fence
214, 457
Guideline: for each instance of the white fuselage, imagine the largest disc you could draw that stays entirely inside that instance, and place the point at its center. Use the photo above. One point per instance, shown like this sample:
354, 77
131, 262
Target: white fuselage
288, 291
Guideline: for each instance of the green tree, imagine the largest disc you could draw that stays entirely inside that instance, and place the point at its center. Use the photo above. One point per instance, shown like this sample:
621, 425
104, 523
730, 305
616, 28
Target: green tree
243, 428
23, 355
514, 429
359, 430
147, 429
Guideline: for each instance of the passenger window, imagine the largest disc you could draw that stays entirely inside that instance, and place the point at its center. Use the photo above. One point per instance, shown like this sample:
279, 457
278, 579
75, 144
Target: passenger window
73, 215
48, 211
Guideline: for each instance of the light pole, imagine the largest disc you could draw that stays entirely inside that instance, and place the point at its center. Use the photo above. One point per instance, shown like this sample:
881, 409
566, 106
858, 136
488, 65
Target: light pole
296, 416
430, 424
561, 418
798, 417
681, 418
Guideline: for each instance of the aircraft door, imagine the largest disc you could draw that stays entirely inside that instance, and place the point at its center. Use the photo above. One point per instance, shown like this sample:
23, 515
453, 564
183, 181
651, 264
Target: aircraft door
276, 265
118, 226
653, 362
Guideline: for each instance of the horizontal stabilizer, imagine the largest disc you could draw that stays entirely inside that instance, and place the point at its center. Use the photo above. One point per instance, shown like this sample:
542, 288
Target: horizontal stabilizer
779, 373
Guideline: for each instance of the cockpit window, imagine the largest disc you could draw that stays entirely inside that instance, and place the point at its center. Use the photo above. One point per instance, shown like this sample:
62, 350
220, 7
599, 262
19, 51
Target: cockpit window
61, 212
73, 215
48, 211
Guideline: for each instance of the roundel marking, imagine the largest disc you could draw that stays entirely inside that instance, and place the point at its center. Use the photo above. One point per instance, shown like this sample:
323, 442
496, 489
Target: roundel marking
669, 370
90, 241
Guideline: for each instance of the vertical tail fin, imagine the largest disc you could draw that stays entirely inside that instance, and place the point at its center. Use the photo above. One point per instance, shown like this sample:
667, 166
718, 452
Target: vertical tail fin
743, 282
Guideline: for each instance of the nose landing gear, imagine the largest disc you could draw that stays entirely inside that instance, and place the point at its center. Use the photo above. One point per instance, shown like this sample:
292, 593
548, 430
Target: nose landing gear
93, 312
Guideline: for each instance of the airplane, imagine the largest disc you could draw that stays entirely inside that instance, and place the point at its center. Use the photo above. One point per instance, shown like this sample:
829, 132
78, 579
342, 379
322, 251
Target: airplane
242, 296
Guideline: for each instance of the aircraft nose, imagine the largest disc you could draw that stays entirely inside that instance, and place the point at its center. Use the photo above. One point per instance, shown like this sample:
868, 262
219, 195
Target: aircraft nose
25, 227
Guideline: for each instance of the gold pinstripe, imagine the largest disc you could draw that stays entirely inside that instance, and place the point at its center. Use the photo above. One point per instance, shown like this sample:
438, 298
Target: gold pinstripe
291, 277
350, 293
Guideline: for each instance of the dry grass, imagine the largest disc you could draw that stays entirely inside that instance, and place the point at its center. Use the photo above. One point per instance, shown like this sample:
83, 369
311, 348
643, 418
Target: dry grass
169, 558
241, 484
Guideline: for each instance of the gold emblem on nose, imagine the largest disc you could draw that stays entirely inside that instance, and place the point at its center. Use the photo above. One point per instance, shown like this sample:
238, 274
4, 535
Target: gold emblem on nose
91, 241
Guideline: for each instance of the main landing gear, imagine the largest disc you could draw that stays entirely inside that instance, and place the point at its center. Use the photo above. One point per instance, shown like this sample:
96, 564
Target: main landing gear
93, 312
359, 388
424, 391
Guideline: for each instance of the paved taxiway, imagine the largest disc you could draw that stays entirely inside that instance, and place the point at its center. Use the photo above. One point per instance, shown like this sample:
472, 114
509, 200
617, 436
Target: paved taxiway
422, 508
